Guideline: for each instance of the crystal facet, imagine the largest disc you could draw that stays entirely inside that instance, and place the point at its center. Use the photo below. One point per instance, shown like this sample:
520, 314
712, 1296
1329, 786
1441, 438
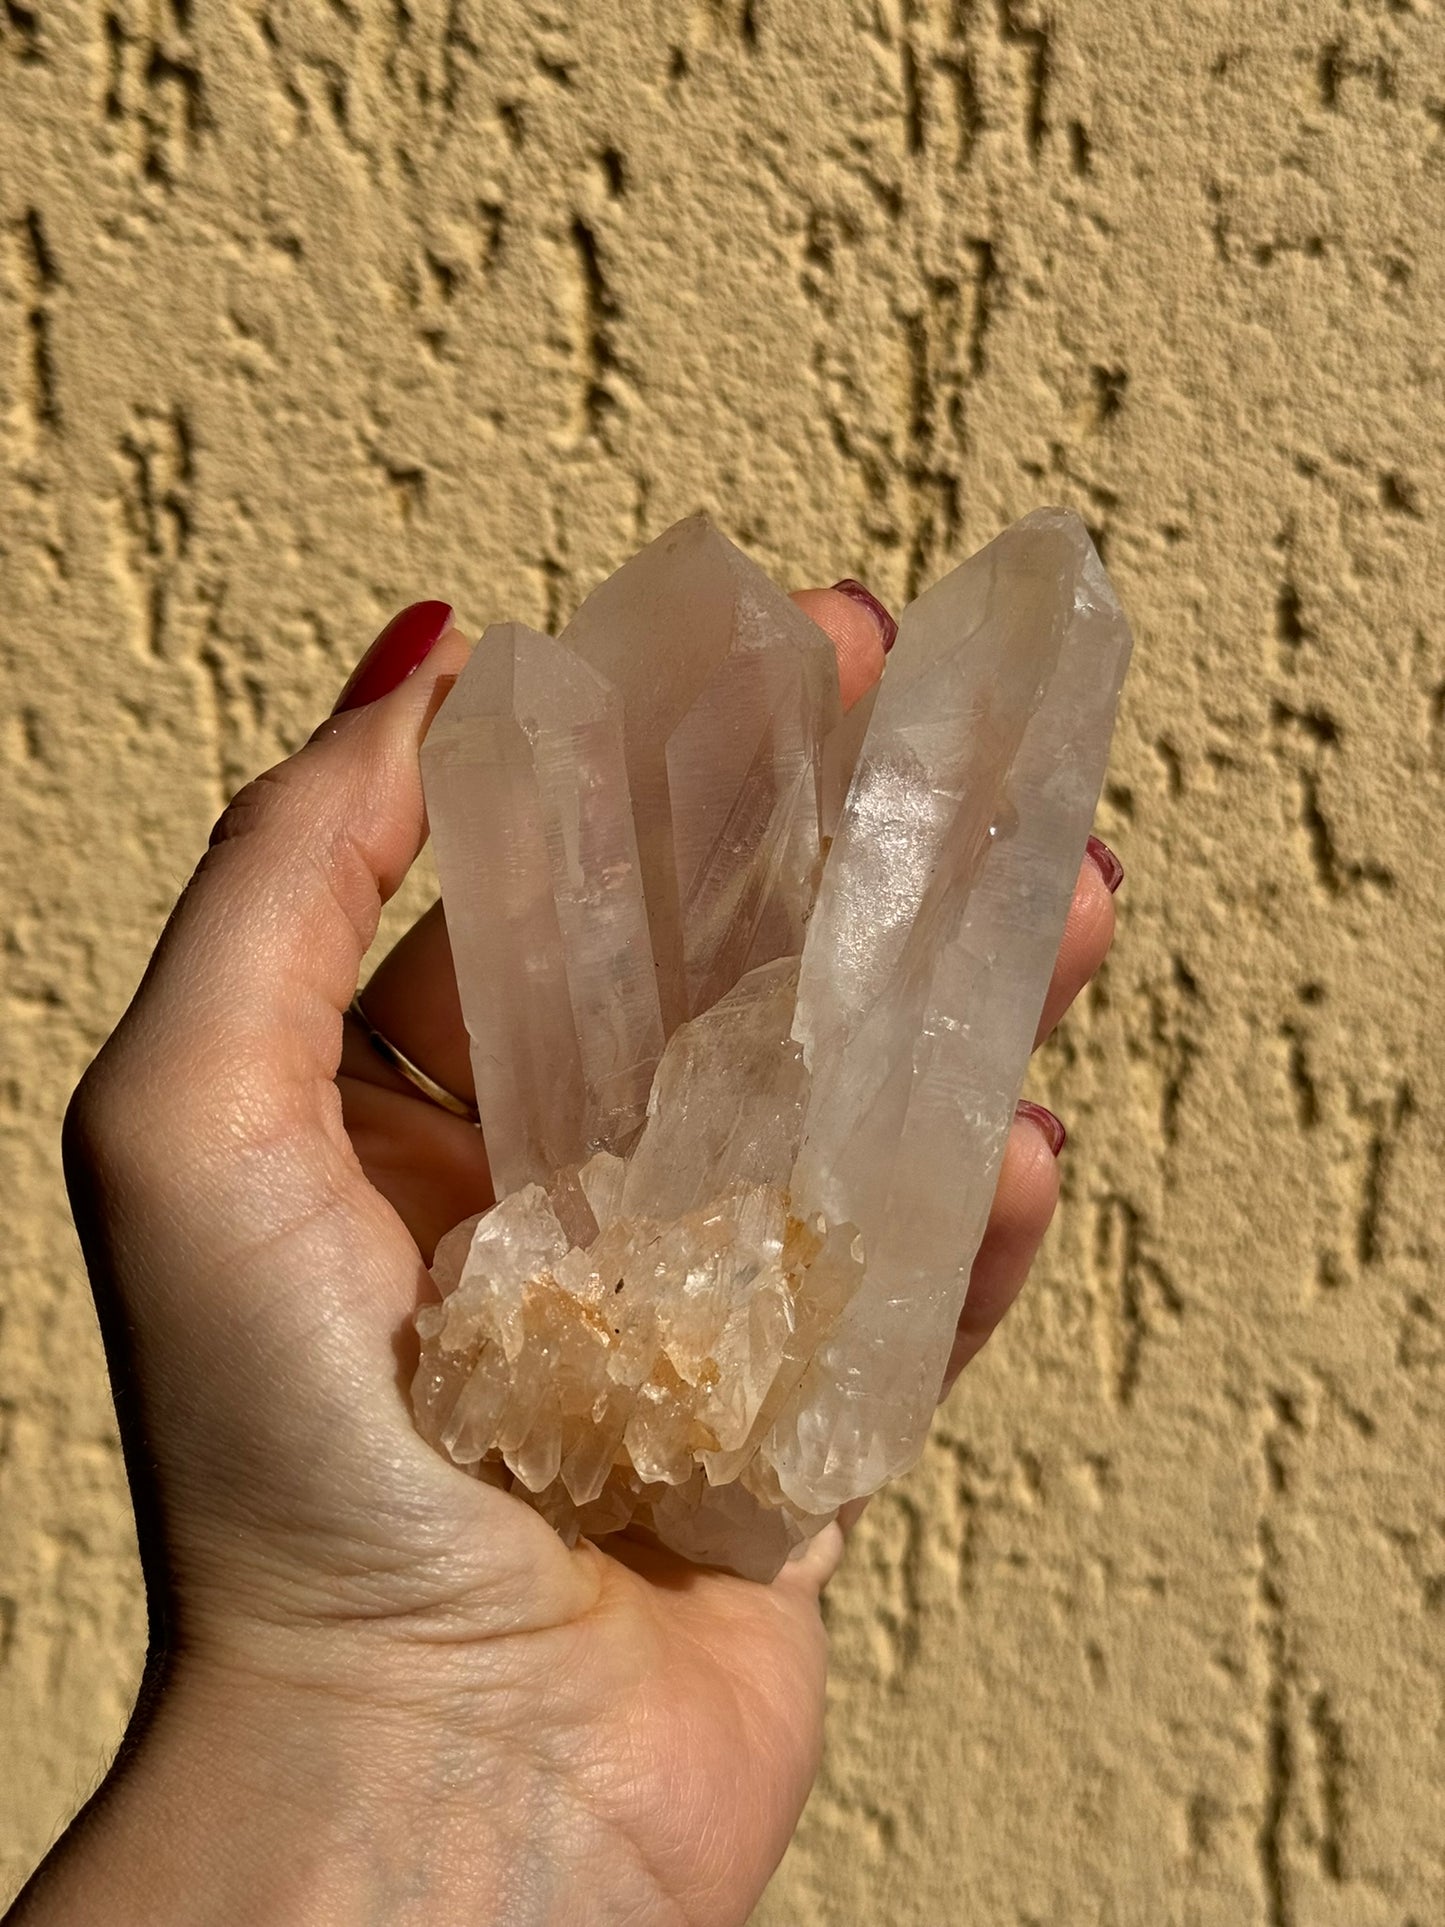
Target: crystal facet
717, 1295
728, 692
526, 787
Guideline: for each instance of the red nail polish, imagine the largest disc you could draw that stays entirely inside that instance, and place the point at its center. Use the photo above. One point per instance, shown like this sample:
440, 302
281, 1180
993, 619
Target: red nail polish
1052, 1127
1106, 863
887, 627
403, 645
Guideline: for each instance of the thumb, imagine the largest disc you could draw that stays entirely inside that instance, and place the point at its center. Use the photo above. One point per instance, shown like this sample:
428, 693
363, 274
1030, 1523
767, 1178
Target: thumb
222, 1070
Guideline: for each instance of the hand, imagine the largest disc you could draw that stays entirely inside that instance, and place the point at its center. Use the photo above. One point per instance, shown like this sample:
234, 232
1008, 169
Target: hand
378, 1688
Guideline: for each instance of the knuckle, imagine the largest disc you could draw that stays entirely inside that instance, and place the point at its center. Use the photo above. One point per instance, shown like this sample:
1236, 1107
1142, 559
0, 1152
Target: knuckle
95, 1118
125, 1127
263, 800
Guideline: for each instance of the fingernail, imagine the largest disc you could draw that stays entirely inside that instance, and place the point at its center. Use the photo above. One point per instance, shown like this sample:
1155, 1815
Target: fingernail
1106, 863
1055, 1136
403, 645
887, 627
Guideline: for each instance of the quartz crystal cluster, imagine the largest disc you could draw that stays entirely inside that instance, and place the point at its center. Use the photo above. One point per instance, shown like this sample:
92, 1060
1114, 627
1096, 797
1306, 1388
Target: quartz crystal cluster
750, 986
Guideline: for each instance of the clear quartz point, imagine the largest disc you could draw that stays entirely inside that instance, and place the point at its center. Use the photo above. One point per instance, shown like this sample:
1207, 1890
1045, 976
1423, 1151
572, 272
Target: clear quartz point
728, 693
751, 989
528, 800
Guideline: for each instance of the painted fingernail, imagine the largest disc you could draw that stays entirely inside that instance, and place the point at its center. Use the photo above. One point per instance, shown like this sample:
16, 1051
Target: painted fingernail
1106, 863
1051, 1127
887, 627
403, 645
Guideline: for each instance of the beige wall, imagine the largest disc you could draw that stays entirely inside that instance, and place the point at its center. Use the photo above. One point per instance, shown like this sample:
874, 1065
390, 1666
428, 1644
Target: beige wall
309, 309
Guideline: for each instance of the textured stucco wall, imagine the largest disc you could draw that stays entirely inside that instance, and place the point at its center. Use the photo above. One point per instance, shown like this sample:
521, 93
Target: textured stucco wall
307, 309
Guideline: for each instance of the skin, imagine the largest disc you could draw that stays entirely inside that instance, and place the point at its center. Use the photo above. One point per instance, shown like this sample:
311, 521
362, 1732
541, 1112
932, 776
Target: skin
379, 1690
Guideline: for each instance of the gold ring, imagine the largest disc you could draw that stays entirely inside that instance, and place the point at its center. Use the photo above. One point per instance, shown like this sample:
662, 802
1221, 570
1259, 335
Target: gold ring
438, 1094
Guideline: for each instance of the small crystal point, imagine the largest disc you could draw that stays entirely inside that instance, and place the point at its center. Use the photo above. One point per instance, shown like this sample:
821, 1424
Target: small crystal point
727, 1103
717, 1296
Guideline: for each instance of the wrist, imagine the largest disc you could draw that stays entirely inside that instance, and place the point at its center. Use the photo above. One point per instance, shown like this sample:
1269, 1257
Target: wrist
247, 1797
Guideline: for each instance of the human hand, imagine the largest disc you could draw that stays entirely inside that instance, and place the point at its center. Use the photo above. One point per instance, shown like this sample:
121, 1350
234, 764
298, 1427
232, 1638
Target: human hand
379, 1688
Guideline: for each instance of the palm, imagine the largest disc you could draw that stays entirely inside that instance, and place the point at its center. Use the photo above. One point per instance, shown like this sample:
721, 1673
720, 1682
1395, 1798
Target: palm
670, 1679
682, 1721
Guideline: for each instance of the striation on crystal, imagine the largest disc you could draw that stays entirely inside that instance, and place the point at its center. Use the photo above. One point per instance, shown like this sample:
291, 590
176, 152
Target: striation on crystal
527, 796
728, 692
748, 1034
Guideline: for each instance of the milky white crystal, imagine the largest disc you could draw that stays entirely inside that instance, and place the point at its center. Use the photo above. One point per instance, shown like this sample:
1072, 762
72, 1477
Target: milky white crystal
718, 1292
